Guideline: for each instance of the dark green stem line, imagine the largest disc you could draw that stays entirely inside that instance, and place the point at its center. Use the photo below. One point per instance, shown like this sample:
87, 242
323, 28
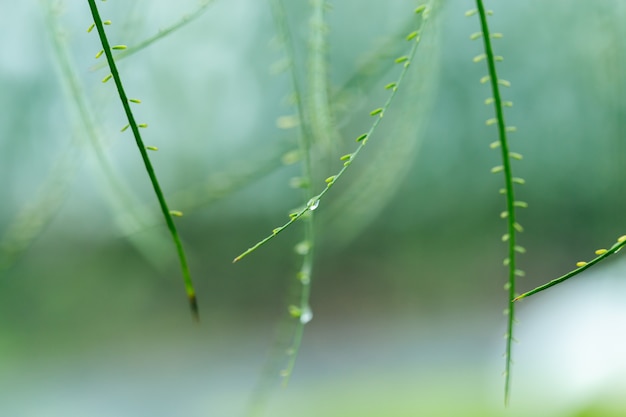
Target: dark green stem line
510, 197
614, 249
191, 294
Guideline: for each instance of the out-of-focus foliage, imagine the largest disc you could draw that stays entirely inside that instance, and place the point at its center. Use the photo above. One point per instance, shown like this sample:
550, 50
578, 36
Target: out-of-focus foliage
408, 279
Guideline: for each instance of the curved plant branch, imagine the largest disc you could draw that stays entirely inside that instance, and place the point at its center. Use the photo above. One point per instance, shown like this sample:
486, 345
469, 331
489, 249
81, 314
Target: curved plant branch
513, 227
167, 213
362, 139
602, 254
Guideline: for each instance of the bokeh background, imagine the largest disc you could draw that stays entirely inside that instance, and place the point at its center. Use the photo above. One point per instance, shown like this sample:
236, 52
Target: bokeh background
407, 285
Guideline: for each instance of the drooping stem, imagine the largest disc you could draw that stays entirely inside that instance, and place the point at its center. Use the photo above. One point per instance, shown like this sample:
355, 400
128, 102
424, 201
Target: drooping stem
602, 255
509, 192
362, 139
191, 294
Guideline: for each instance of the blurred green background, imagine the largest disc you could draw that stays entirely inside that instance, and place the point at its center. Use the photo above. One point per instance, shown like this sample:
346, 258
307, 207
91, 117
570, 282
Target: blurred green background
407, 284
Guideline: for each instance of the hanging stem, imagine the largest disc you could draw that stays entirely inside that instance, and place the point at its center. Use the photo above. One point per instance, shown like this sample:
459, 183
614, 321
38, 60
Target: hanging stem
191, 293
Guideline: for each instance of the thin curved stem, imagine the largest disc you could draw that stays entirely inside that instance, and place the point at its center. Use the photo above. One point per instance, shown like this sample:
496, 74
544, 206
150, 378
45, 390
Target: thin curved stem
621, 242
362, 139
191, 294
512, 225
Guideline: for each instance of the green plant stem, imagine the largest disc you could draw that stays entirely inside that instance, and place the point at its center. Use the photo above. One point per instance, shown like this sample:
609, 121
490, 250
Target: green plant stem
312, 203
191, 294
304, 276
614, 249
510, 196
306, 140
262, 391
119, 195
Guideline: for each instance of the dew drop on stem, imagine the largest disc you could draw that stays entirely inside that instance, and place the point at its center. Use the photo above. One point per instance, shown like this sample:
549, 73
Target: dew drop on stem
313, 203
306, 315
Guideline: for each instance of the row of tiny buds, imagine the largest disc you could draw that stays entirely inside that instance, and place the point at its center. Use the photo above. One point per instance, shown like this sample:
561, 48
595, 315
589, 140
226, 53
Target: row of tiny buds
295, 311
424, 10
600, 252
109, 76
362, 138
114, 47
480, 57
304, 277
503, 83
518, 249
506, 336
521, 204
141, 125
518, 228
489, 101
404, 59
347, 159
415, 35
93, 25
472, 12
296, 213
99, 54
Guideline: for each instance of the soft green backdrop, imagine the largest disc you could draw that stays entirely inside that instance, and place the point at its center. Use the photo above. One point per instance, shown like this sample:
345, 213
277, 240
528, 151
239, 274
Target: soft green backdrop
407, 290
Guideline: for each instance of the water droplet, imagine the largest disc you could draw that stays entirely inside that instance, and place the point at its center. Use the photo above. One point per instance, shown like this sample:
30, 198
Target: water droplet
306, 315
313, 203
